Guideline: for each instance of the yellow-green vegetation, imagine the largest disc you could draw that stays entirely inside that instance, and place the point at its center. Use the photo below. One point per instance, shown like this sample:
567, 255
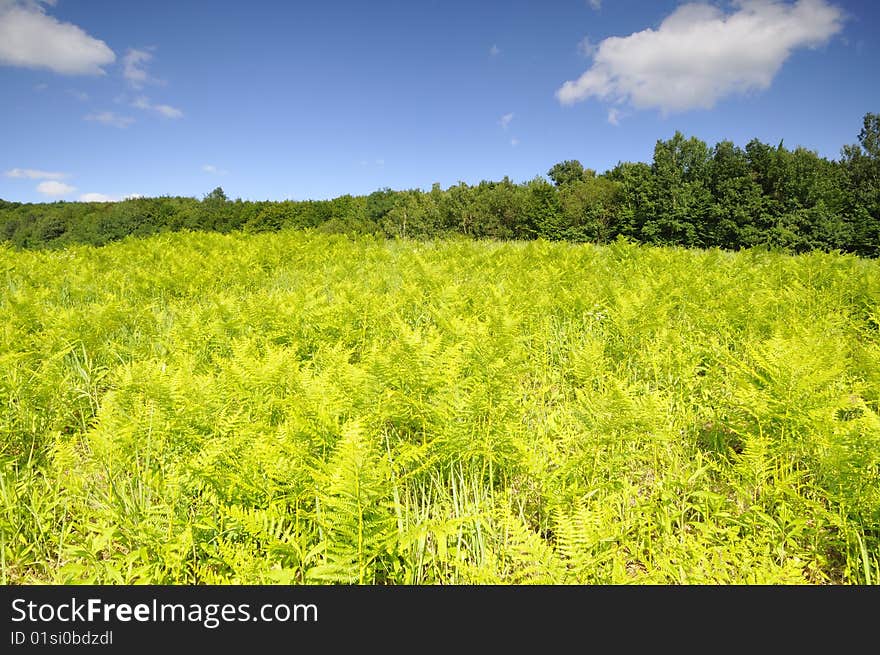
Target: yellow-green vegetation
307, 408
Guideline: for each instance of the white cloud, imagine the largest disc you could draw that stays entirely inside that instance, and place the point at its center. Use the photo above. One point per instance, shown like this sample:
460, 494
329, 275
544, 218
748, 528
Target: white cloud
504, 121
102, 197
133, 67
53, 188
494, 51
514, 142
614, 116
34, 174
210, 168
164, 110
168, 111
82, 96
29, 38
700, 54
595, 4
586, 47
110, 118
96, 197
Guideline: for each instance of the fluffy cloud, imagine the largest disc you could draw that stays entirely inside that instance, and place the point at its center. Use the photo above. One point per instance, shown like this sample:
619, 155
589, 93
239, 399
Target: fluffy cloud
96, 197
53, 188
213, 170
504, 121
30, 38
494, 51
699, 54
110, 118
101, 197
34, 174
595, 4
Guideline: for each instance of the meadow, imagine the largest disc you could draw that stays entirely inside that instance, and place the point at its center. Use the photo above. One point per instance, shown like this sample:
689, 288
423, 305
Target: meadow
298, 407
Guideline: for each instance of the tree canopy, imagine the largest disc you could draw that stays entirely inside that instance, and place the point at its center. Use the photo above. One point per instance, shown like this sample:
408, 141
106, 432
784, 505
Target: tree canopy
691, 194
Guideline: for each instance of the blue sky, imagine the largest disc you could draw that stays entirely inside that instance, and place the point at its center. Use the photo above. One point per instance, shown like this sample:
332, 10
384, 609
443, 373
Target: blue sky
273, 100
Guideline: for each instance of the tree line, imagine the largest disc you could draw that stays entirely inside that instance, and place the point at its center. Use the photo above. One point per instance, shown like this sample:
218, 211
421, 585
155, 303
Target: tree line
690, 195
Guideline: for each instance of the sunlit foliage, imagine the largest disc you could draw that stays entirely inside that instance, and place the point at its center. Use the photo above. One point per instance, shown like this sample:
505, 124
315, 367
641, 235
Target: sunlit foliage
306, 408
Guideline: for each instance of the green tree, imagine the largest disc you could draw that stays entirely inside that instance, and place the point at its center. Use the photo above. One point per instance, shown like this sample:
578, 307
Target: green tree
636, 197
214, 209
416, 215
736, 199
544, 210
568, 172
681, 197
589, 209
861, 181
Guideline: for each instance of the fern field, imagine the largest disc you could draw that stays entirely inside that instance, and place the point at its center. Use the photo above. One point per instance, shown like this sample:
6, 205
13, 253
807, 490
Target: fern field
310, 409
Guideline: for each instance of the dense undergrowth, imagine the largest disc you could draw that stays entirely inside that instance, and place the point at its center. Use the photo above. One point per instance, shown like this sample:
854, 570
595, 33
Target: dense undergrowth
307, 408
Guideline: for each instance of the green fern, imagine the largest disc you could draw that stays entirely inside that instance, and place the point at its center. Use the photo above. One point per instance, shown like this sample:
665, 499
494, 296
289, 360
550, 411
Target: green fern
353, 512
